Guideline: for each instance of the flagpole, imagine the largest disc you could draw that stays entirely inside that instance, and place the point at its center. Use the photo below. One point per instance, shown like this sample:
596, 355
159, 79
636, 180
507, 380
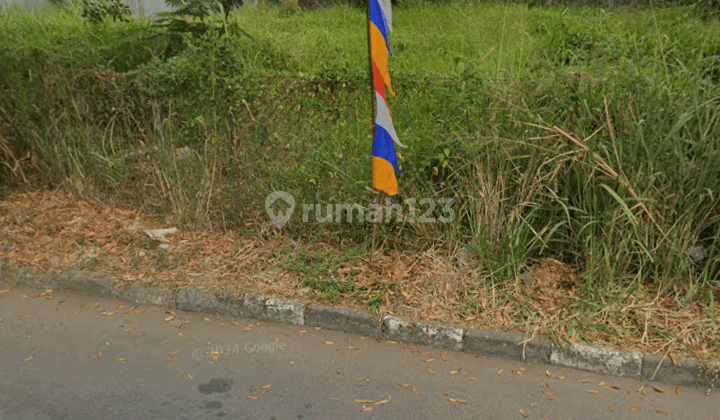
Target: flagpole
371, 78
370, 71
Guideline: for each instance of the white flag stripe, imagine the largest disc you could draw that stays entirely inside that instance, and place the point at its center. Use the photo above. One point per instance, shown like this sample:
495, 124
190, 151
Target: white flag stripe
384, 120
386, 7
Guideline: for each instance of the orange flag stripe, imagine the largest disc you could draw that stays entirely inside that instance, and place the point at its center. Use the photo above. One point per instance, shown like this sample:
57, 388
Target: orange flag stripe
379, 54
383, 176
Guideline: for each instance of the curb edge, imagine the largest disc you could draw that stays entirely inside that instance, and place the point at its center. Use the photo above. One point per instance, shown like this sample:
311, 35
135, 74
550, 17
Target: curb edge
507, 345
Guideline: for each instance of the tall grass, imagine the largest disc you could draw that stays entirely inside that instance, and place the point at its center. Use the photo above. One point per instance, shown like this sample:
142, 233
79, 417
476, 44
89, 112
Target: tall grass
583, 134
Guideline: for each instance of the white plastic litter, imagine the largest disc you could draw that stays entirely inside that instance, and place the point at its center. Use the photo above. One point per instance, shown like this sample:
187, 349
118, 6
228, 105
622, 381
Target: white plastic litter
159, 234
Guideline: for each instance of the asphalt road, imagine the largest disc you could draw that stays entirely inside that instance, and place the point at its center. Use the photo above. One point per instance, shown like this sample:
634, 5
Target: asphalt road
64, 357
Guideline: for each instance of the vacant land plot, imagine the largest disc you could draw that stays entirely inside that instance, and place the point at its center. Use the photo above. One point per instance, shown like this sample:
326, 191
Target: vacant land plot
581, 147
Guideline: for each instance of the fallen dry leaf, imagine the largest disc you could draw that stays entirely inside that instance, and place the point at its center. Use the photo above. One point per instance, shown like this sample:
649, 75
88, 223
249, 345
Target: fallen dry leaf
329, 343
291, 361
172, 356
252, 397
523, 413
318, 328
634, 409
266, 386
430, 371
443, 355
248, 328
225, 324
545, 384
29, 359
189, 377
428, 360
391, 342
302, 333
454, 400
353, 348
182, 374
369, 408
472, 378
425, 354
610, 409
500, 371
585, 381
551, 396
206, 319
677, 390
642, 390
591, 391
548, 374
129, 330
170, 318
364, 401
454, 372
481, 357
658, 389
341, 350
516, 372
382, 402
662, 412
561, 377
405, 385
601, 384
415, 391
97, 356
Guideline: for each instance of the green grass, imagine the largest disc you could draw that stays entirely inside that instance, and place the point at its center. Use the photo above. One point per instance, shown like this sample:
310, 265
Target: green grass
430, 39
623, 185
319, 269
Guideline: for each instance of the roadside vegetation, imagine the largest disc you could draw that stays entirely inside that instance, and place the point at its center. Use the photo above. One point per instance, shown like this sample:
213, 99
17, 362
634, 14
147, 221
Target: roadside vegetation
583, 137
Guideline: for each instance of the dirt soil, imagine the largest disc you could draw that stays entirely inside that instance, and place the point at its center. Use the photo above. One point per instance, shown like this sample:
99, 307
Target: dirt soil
49, 230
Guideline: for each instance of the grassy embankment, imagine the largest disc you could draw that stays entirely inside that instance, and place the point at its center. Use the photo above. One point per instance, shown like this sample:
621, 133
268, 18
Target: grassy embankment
586, 135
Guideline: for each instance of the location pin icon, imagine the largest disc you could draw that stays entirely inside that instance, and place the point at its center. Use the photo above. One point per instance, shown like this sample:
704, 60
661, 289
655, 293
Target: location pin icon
279, 218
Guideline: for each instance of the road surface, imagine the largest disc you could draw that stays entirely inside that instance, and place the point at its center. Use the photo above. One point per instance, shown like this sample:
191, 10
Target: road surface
69, 357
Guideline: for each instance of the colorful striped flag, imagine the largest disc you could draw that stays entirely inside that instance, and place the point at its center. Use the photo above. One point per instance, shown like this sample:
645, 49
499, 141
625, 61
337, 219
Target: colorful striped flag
384, 160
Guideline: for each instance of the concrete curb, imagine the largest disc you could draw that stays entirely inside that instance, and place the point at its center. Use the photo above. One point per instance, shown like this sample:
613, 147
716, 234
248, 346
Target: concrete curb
584, 356
420, 333
341, 320
514, 346
508, 345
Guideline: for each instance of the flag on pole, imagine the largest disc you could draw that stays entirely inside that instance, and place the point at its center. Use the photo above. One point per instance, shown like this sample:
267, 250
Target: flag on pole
384, 160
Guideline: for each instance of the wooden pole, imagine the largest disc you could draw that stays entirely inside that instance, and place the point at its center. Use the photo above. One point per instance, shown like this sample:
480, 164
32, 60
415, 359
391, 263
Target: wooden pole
371, 77
375, 225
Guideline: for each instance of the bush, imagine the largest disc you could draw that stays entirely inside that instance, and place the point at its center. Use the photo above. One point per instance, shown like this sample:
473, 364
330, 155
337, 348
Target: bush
95, 11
